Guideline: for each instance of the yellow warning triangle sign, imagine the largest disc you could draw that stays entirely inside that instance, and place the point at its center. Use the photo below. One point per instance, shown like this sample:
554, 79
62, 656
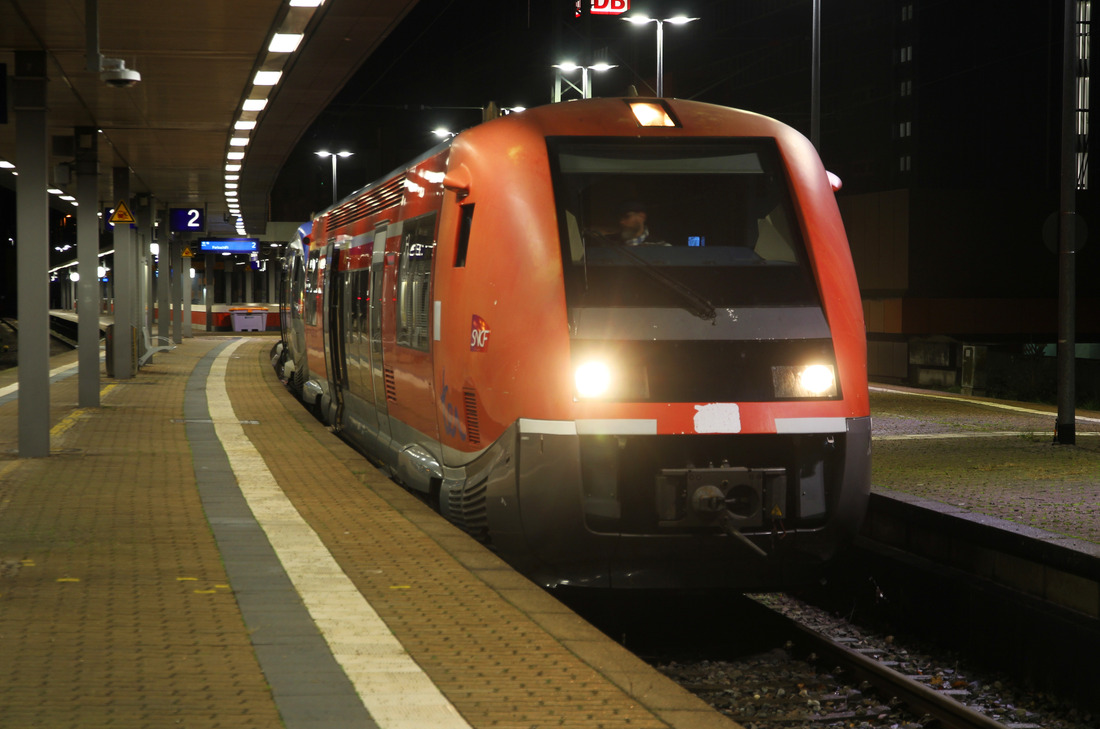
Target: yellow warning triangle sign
187, 252
121, 214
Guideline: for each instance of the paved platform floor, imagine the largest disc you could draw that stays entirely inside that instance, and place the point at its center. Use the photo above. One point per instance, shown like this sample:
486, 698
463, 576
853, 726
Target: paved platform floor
987, 457
199, 552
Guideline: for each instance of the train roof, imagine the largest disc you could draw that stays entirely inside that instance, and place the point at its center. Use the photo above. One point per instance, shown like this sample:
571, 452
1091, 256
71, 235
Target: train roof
609, 117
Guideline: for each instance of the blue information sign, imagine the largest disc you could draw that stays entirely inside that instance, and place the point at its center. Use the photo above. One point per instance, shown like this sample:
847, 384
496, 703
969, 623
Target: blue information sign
184, 220
230, 245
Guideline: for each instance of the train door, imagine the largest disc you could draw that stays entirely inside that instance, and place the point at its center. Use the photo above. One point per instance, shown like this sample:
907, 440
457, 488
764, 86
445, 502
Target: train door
378, 377
336, 325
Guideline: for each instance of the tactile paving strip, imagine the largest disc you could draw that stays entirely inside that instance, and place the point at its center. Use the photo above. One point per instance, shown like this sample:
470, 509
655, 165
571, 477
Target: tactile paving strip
120, 614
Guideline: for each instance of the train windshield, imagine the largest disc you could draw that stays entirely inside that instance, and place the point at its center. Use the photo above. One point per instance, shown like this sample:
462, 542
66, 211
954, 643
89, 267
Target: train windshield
696, 224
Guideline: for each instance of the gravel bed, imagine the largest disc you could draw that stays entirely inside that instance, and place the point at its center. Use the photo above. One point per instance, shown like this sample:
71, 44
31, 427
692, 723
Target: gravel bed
776, 689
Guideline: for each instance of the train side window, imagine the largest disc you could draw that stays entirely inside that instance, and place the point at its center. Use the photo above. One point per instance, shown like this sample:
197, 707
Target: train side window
311, 286
414, 283
466, 221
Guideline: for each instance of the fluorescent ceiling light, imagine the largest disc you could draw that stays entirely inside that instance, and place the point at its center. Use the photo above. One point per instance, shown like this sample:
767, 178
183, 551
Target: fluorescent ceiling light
238, 142
267, 78
235, 155
231, 178
55, 191
244, 126
5, 165
306, 3
232, 168
254, 104
285, 42
231, 185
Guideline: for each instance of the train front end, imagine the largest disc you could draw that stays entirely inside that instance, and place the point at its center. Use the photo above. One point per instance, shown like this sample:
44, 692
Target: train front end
693, 409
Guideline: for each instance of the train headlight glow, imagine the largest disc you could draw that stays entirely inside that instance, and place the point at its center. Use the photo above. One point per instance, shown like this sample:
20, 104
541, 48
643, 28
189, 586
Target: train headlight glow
651, 114
816, 380
593, 379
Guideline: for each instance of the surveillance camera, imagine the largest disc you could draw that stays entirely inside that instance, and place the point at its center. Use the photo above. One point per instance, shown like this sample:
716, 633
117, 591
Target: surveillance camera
114, 73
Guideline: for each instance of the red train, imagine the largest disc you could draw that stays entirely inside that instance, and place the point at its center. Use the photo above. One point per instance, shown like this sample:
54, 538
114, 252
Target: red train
619, 340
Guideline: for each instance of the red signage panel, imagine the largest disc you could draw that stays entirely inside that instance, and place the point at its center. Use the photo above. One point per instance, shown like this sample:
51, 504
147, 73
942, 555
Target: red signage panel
610, 7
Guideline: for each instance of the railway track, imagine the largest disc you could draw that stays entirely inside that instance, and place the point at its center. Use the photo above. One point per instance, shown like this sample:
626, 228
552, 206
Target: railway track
866, 666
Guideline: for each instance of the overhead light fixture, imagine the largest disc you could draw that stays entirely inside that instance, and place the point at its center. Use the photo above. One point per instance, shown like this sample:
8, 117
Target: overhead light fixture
235, 155
5, 165
238, 142
254, 104
231, 185
55, 191
267, 78
306, 3
231, 178
285, 42
244, 126
232, 168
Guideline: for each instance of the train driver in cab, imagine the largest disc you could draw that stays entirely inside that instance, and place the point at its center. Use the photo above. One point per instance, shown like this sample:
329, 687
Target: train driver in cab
633, 230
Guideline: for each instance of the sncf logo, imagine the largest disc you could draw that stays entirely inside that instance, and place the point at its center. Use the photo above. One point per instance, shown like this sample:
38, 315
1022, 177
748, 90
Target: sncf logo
479, 334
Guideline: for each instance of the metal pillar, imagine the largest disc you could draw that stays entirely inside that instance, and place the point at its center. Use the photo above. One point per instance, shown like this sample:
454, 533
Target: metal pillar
187, 286
32, 216
144, 236
815, 78
137, 242
176, 248
124, 276
1065, 428
87, 252
163, 289
208, 290
272, 281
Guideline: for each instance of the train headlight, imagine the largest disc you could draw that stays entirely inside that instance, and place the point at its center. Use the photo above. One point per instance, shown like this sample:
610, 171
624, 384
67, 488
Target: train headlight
593, 379
816, 380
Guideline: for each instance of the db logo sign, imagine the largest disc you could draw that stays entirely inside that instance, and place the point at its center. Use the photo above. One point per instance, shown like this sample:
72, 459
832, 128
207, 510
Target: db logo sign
479, 334
610, 7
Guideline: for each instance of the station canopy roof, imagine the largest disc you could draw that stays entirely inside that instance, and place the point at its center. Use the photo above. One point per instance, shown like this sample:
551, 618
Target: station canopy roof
198, 62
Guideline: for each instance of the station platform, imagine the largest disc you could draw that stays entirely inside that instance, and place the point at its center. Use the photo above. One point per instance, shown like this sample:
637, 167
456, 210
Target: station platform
988, 458
198, 551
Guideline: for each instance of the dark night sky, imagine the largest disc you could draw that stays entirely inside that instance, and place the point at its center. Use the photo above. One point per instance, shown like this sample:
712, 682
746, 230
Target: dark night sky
984, 106
466, 53
981, 119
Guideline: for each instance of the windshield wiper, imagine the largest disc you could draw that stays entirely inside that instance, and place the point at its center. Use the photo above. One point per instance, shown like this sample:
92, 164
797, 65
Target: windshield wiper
697, 304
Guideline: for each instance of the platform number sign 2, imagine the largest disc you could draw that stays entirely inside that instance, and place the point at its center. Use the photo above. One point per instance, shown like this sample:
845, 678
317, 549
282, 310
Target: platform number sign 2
185, 220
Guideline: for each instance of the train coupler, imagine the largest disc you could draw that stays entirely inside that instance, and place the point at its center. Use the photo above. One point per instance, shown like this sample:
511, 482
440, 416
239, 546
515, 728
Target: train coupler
729, 523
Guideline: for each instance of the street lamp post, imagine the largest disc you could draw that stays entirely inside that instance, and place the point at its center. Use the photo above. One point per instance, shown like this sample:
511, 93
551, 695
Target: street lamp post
642, 20
334, 155
586, 87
